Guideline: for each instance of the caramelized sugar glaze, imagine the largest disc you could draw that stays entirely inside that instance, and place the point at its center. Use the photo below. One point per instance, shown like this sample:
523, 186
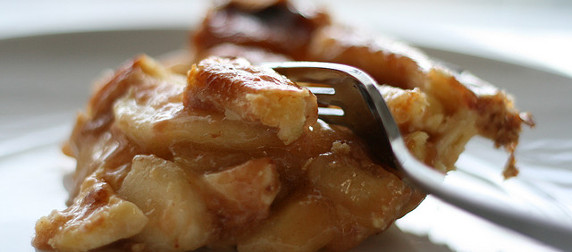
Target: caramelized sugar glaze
218, 152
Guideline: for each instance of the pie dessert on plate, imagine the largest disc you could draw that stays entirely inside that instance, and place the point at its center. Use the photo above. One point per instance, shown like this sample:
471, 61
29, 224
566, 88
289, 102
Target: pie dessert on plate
211, 150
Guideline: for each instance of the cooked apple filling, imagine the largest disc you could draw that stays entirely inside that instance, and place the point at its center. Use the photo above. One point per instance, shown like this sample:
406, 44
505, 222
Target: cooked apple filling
217, 152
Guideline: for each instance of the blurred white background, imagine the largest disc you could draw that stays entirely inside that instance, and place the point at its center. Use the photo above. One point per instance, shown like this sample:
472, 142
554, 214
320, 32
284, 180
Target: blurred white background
534, 32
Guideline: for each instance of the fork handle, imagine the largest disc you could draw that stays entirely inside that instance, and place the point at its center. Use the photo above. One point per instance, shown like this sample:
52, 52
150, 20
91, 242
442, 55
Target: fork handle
547, 231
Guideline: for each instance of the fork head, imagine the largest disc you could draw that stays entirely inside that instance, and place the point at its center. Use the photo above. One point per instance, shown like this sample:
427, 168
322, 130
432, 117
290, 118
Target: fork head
362, 108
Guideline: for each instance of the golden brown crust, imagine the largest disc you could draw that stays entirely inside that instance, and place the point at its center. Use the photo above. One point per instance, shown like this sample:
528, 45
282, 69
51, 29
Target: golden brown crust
96, 218
396, 64
255, 55
386, 60
279, 27
243, 92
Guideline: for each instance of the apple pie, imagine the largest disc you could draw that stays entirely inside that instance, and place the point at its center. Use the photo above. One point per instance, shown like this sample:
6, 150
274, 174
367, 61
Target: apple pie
212, 150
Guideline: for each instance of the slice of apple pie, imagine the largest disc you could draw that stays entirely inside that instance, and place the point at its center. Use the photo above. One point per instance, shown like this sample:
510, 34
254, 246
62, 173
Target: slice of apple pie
217, 152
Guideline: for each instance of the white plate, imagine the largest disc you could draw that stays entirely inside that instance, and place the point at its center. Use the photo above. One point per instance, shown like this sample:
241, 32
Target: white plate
44, 80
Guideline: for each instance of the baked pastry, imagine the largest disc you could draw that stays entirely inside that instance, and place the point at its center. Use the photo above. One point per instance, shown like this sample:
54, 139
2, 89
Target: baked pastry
226, 154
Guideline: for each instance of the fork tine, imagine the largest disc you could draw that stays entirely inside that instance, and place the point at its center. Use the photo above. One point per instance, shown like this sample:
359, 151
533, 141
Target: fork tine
333, 119
321, 90
324, 94
329, 100
328, 111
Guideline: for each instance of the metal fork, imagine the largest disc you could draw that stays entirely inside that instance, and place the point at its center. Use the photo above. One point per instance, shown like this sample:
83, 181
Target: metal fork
367, 115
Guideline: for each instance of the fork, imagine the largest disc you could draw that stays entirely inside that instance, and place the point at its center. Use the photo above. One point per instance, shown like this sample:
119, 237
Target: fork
365, 112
